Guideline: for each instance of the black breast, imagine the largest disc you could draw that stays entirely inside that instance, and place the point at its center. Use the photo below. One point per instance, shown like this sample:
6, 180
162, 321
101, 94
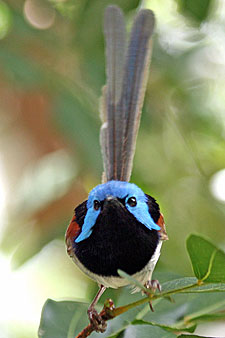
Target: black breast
118, 241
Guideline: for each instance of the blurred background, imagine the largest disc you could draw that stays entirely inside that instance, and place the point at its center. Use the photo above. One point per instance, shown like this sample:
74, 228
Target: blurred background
52, 71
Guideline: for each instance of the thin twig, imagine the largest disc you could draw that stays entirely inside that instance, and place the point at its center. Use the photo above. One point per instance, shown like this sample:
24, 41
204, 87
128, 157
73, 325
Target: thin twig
109, 311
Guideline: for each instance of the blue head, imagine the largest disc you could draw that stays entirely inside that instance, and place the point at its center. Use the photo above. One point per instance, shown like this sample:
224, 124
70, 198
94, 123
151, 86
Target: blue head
135, 203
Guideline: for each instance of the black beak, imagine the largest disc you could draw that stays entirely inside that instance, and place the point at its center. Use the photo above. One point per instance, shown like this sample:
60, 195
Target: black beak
112, 202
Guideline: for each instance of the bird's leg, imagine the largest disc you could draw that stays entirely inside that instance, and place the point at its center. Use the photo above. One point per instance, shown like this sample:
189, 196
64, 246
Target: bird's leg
153, 285
95, 319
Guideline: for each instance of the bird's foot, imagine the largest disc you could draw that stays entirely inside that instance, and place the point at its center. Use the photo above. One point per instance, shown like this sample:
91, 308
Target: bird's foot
96, 320
152, 285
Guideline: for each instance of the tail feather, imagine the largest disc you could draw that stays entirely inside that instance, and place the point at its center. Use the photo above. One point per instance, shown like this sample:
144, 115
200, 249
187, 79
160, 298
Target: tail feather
135, 81
124, 92
114, 30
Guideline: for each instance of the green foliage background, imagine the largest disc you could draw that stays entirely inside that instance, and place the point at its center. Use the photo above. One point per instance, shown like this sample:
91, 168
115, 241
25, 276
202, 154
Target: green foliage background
51, 80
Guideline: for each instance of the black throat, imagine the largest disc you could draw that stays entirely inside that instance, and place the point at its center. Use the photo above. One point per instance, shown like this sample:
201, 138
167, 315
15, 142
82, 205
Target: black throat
118, 241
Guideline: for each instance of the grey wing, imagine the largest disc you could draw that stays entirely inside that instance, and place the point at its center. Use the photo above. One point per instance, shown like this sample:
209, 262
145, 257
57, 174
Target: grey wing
124, 92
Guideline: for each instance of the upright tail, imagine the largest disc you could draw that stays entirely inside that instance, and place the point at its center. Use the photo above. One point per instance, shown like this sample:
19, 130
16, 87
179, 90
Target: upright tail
123, 95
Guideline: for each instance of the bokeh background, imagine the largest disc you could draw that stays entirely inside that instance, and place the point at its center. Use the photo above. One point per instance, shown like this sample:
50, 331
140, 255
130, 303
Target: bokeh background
52, 71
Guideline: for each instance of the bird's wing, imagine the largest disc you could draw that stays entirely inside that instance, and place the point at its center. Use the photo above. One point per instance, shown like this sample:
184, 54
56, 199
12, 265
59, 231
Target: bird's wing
162, 231
123, 95
72, 233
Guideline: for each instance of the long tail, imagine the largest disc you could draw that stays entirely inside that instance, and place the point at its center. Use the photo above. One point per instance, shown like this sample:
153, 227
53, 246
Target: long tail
123, 95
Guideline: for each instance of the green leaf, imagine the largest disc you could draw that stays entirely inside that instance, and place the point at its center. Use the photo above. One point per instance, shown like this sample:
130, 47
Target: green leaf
189, 285
180, 285
187, 310
171, 328
207, 260
133, 281
143, 331
206, 288
177, 284
210, 317
61, 319
204, 307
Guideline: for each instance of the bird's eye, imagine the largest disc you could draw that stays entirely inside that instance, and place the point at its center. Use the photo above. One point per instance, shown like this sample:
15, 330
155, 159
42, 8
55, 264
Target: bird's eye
96, 205
132, 201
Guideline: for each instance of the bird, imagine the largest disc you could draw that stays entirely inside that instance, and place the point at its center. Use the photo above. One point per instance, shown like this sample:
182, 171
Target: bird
119, 226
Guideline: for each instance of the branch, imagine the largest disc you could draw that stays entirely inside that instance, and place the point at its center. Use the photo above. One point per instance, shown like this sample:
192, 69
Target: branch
109, 311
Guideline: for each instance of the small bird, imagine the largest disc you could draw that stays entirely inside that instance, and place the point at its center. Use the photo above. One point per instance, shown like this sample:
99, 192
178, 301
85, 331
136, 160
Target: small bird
119, 226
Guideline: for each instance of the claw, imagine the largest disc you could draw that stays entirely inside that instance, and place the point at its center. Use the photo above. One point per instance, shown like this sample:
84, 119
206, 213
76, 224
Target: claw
96, 320
153, 285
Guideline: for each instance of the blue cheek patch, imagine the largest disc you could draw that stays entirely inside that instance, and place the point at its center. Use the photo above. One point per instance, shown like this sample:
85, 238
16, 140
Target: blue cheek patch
141, 213
89, 222
121, 190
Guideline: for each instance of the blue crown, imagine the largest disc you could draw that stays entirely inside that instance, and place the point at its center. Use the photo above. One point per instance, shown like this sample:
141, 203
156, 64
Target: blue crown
121, 190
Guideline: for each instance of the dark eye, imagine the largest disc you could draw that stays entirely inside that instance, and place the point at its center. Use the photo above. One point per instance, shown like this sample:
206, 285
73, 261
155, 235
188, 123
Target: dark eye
132, 201
97, 205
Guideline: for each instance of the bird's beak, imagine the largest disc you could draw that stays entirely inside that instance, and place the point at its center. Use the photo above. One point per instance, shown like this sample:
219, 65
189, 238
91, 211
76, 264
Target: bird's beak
112, 202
